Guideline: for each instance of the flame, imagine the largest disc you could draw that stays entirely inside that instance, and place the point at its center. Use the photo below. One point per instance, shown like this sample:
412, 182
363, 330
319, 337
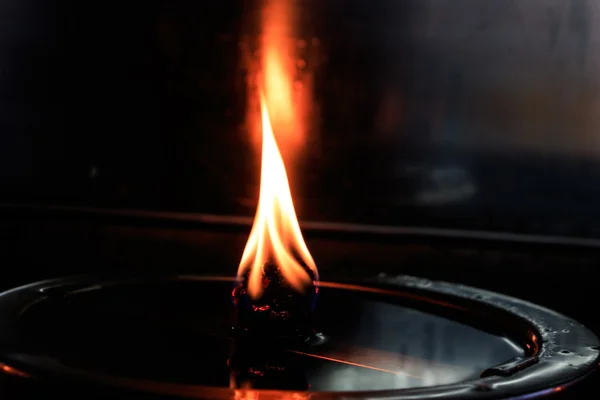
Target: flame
275, 235
281, 62
278, 66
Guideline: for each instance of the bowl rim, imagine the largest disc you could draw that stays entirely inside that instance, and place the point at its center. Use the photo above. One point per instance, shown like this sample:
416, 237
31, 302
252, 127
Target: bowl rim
546, 367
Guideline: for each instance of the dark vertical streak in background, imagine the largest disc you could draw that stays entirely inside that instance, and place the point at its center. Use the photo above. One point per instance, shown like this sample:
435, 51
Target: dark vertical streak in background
579, 24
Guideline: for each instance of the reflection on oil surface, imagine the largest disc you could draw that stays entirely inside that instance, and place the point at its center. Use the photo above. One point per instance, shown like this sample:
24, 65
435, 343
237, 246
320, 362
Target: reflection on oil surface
179, 332
405, 347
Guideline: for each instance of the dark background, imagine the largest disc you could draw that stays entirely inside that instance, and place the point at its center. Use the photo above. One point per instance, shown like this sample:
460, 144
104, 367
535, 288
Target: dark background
469, 114
465, 114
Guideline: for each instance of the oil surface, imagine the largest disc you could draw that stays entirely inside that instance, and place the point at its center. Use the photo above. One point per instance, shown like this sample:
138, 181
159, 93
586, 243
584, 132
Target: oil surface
179, 332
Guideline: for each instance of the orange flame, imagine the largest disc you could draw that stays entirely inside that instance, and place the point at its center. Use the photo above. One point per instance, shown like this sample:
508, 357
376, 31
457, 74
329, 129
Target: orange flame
275, 234
286, 79
278, 65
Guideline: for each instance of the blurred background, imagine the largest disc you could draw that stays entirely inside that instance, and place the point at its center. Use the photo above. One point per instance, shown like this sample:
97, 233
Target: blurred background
465, 114
448, 113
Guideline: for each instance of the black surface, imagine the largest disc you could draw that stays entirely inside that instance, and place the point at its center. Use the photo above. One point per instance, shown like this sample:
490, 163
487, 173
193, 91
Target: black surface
152, 335
180, 332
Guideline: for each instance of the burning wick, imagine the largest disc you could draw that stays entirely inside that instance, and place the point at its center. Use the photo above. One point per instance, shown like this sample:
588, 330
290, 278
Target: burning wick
275, 292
